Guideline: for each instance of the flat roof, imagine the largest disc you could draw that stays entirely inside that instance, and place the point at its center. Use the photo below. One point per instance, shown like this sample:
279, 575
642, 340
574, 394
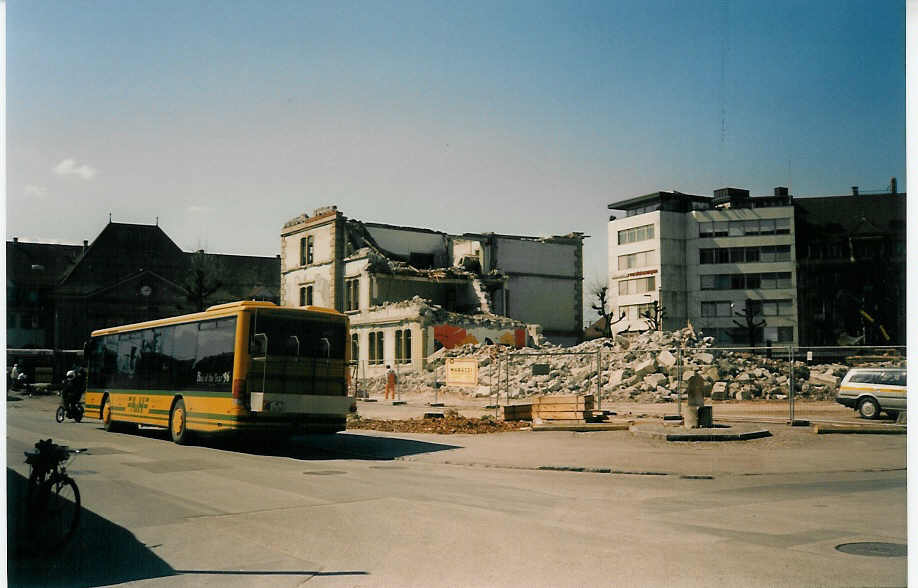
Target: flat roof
653, 197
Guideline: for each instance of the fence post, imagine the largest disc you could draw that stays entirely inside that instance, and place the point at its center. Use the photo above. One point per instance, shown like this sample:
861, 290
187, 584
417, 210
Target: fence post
790, 394
679, 383
599, 379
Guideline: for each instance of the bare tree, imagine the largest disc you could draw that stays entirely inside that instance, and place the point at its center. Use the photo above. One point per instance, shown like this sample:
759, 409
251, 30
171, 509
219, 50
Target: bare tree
600, 293
203, 280
749, 312
654, 316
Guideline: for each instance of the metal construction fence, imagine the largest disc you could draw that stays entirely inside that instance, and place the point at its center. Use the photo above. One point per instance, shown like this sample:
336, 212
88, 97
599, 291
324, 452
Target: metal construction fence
786, 382
777, 382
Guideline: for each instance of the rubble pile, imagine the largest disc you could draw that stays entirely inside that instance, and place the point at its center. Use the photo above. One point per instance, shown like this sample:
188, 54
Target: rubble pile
450, 423
636, 368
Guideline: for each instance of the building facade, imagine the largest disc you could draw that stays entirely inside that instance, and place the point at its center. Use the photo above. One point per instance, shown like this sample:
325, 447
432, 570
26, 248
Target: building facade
396, 282
58, 294
761, 270
851, 268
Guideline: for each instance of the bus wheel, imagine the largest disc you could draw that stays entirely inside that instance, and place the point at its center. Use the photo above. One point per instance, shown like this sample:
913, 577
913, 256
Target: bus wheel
178, 423
107, 423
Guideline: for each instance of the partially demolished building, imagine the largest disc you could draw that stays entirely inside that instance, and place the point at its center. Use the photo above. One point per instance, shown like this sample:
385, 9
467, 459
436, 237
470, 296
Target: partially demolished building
410, 291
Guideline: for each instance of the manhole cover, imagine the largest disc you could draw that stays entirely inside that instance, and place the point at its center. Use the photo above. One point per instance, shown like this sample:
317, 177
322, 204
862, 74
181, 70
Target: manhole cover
323, 473
874, 548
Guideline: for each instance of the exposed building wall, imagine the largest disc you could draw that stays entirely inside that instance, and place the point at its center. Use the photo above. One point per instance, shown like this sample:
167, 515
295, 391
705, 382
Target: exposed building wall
549, 302
545, 283
403, 241
395, 264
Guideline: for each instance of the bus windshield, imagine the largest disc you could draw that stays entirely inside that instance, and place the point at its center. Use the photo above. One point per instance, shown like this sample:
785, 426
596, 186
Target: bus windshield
288, 335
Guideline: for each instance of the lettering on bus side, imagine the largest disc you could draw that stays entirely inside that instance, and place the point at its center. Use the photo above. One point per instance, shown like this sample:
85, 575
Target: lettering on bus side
137, 404
213, 378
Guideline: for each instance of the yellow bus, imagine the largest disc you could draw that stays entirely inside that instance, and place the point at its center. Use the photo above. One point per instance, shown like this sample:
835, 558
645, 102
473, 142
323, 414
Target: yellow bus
241, 366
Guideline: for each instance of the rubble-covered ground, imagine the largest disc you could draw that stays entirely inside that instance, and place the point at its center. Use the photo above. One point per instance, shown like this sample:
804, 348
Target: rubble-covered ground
640, 368
449, 424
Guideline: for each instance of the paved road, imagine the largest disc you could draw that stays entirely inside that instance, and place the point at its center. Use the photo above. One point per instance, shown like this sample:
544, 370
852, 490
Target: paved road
368, 509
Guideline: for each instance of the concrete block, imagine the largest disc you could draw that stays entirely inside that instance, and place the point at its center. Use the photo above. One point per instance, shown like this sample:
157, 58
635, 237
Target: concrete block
710, 373
705, 358
642, 368
666, 360
827, 380
719, 391
615, 377
655, 380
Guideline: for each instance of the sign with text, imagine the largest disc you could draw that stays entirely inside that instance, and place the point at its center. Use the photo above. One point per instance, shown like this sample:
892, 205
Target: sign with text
461, 372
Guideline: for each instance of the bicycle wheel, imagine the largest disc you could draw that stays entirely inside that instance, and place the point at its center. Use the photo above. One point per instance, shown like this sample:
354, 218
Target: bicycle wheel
55, 513
61, 414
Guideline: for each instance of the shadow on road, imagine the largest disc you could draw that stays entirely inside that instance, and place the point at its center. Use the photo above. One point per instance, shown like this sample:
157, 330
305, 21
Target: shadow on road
338, 446
309, 447
101, 553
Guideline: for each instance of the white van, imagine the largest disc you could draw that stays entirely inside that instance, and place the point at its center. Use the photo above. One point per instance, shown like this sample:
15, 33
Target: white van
871, 391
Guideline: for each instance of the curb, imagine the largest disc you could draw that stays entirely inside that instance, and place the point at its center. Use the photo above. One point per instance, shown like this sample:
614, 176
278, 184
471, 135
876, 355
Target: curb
584, 428
700, 435
859, 430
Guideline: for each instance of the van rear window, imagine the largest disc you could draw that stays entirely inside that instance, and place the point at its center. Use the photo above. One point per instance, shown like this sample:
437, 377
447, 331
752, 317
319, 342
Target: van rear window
884, 378
865, 378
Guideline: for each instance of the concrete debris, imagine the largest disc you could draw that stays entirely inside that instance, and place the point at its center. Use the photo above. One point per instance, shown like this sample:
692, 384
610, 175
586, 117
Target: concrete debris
637, 368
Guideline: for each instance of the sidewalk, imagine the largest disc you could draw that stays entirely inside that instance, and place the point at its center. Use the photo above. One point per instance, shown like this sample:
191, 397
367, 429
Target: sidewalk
787, 450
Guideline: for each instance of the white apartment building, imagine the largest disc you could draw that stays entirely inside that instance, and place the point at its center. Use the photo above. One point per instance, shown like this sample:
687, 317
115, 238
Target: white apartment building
700, 258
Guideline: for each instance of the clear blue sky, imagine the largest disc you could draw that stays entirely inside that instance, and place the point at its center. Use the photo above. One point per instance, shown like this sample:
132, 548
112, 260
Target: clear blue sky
225, 119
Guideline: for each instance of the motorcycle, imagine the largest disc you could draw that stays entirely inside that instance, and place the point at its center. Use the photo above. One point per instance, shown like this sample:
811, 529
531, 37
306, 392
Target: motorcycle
73, 411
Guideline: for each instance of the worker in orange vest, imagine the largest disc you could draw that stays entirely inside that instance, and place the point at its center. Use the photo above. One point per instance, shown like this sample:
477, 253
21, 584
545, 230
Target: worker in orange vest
390, 382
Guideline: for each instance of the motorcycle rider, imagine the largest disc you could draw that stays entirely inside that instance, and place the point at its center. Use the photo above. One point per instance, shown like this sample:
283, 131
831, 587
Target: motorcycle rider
72, 391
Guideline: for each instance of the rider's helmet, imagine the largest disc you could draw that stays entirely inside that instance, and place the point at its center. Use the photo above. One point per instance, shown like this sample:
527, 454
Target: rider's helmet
70, 375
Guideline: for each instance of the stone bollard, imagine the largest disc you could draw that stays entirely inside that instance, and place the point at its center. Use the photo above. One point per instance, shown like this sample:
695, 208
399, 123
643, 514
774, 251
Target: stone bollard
695, 400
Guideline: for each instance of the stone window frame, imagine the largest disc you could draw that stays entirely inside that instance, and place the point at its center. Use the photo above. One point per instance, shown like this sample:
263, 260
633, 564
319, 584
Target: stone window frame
306, 294
352, 293
403, 346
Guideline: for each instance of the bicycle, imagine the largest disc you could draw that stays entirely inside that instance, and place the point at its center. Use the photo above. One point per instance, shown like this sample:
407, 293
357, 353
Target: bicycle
73, 410
53, 498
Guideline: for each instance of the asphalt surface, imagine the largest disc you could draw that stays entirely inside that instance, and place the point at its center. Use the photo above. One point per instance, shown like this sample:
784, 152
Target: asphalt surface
512, 509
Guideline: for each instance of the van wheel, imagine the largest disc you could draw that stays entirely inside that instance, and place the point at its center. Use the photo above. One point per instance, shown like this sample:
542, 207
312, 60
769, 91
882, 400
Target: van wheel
869, 408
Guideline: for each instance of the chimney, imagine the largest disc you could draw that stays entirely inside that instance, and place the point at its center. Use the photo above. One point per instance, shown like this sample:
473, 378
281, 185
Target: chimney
854, 190
892, 186
780, 191
15, 239
85, 244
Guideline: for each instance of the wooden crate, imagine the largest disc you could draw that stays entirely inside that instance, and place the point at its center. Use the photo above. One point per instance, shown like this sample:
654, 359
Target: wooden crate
518, 412
567, 408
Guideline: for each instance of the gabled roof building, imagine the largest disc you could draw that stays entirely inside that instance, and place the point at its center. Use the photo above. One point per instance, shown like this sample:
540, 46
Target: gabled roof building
58, 294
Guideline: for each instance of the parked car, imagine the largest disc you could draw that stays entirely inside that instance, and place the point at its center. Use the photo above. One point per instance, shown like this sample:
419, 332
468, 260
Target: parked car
871, 391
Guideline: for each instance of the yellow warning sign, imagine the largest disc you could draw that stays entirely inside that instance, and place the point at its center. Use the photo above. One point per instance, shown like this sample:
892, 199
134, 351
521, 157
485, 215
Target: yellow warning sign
461, 372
